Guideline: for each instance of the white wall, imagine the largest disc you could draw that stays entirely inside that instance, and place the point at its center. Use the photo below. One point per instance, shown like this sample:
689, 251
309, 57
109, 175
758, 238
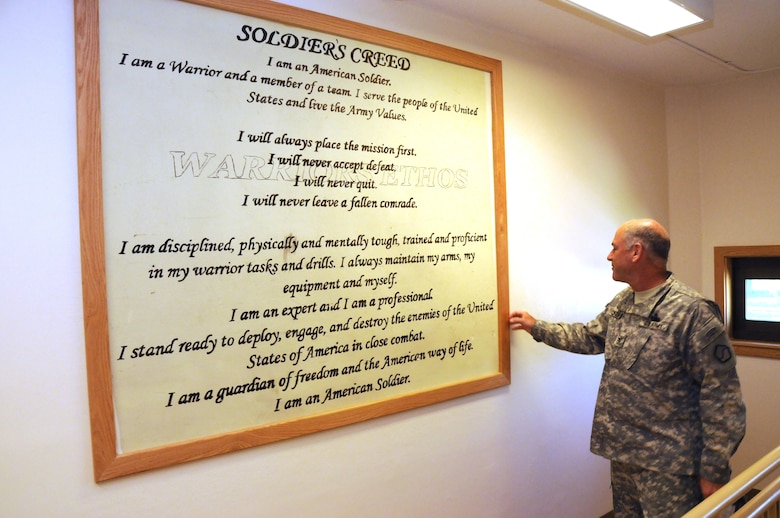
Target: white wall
724, 158
586, 150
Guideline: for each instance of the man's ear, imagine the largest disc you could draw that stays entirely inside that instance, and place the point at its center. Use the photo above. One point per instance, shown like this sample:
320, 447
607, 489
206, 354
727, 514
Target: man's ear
636, 251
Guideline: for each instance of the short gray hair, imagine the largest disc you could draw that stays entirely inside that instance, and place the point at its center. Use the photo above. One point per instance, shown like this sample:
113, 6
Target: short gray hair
656, 242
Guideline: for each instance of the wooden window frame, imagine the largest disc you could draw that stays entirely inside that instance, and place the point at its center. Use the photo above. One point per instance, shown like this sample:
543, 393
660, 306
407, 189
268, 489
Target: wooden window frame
723, 279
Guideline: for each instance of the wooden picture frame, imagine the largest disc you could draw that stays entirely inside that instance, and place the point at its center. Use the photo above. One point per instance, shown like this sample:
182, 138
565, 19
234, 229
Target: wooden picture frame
393, 178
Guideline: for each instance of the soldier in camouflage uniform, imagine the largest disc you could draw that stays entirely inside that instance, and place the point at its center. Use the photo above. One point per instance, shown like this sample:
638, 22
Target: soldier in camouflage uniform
669, 412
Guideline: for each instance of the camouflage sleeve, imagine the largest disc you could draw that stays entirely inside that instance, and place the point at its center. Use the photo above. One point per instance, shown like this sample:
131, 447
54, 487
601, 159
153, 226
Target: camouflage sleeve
577, 338
712, 364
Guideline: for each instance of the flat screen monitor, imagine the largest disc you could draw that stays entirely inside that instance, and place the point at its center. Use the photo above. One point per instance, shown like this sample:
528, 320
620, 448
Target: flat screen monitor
755, 293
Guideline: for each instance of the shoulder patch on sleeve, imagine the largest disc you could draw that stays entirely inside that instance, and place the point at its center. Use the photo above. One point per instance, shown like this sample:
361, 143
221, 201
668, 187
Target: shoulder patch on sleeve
721, 353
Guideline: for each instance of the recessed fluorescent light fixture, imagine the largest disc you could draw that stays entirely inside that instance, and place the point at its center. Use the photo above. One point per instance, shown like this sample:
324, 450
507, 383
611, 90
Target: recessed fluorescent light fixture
649, 17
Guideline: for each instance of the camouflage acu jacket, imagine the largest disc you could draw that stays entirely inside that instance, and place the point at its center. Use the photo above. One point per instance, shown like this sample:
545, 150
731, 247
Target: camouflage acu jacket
669, 398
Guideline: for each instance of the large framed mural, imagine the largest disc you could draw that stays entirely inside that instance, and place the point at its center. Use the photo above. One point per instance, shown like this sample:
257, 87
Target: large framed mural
290, 222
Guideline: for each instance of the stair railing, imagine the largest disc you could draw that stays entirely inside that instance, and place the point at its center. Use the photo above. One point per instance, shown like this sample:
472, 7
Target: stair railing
766, 501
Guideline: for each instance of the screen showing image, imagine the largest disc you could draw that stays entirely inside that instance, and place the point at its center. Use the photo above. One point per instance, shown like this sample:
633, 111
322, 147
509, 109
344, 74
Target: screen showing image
762, 300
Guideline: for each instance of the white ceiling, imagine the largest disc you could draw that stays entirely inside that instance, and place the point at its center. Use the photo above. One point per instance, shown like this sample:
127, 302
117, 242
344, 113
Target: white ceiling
743, 38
